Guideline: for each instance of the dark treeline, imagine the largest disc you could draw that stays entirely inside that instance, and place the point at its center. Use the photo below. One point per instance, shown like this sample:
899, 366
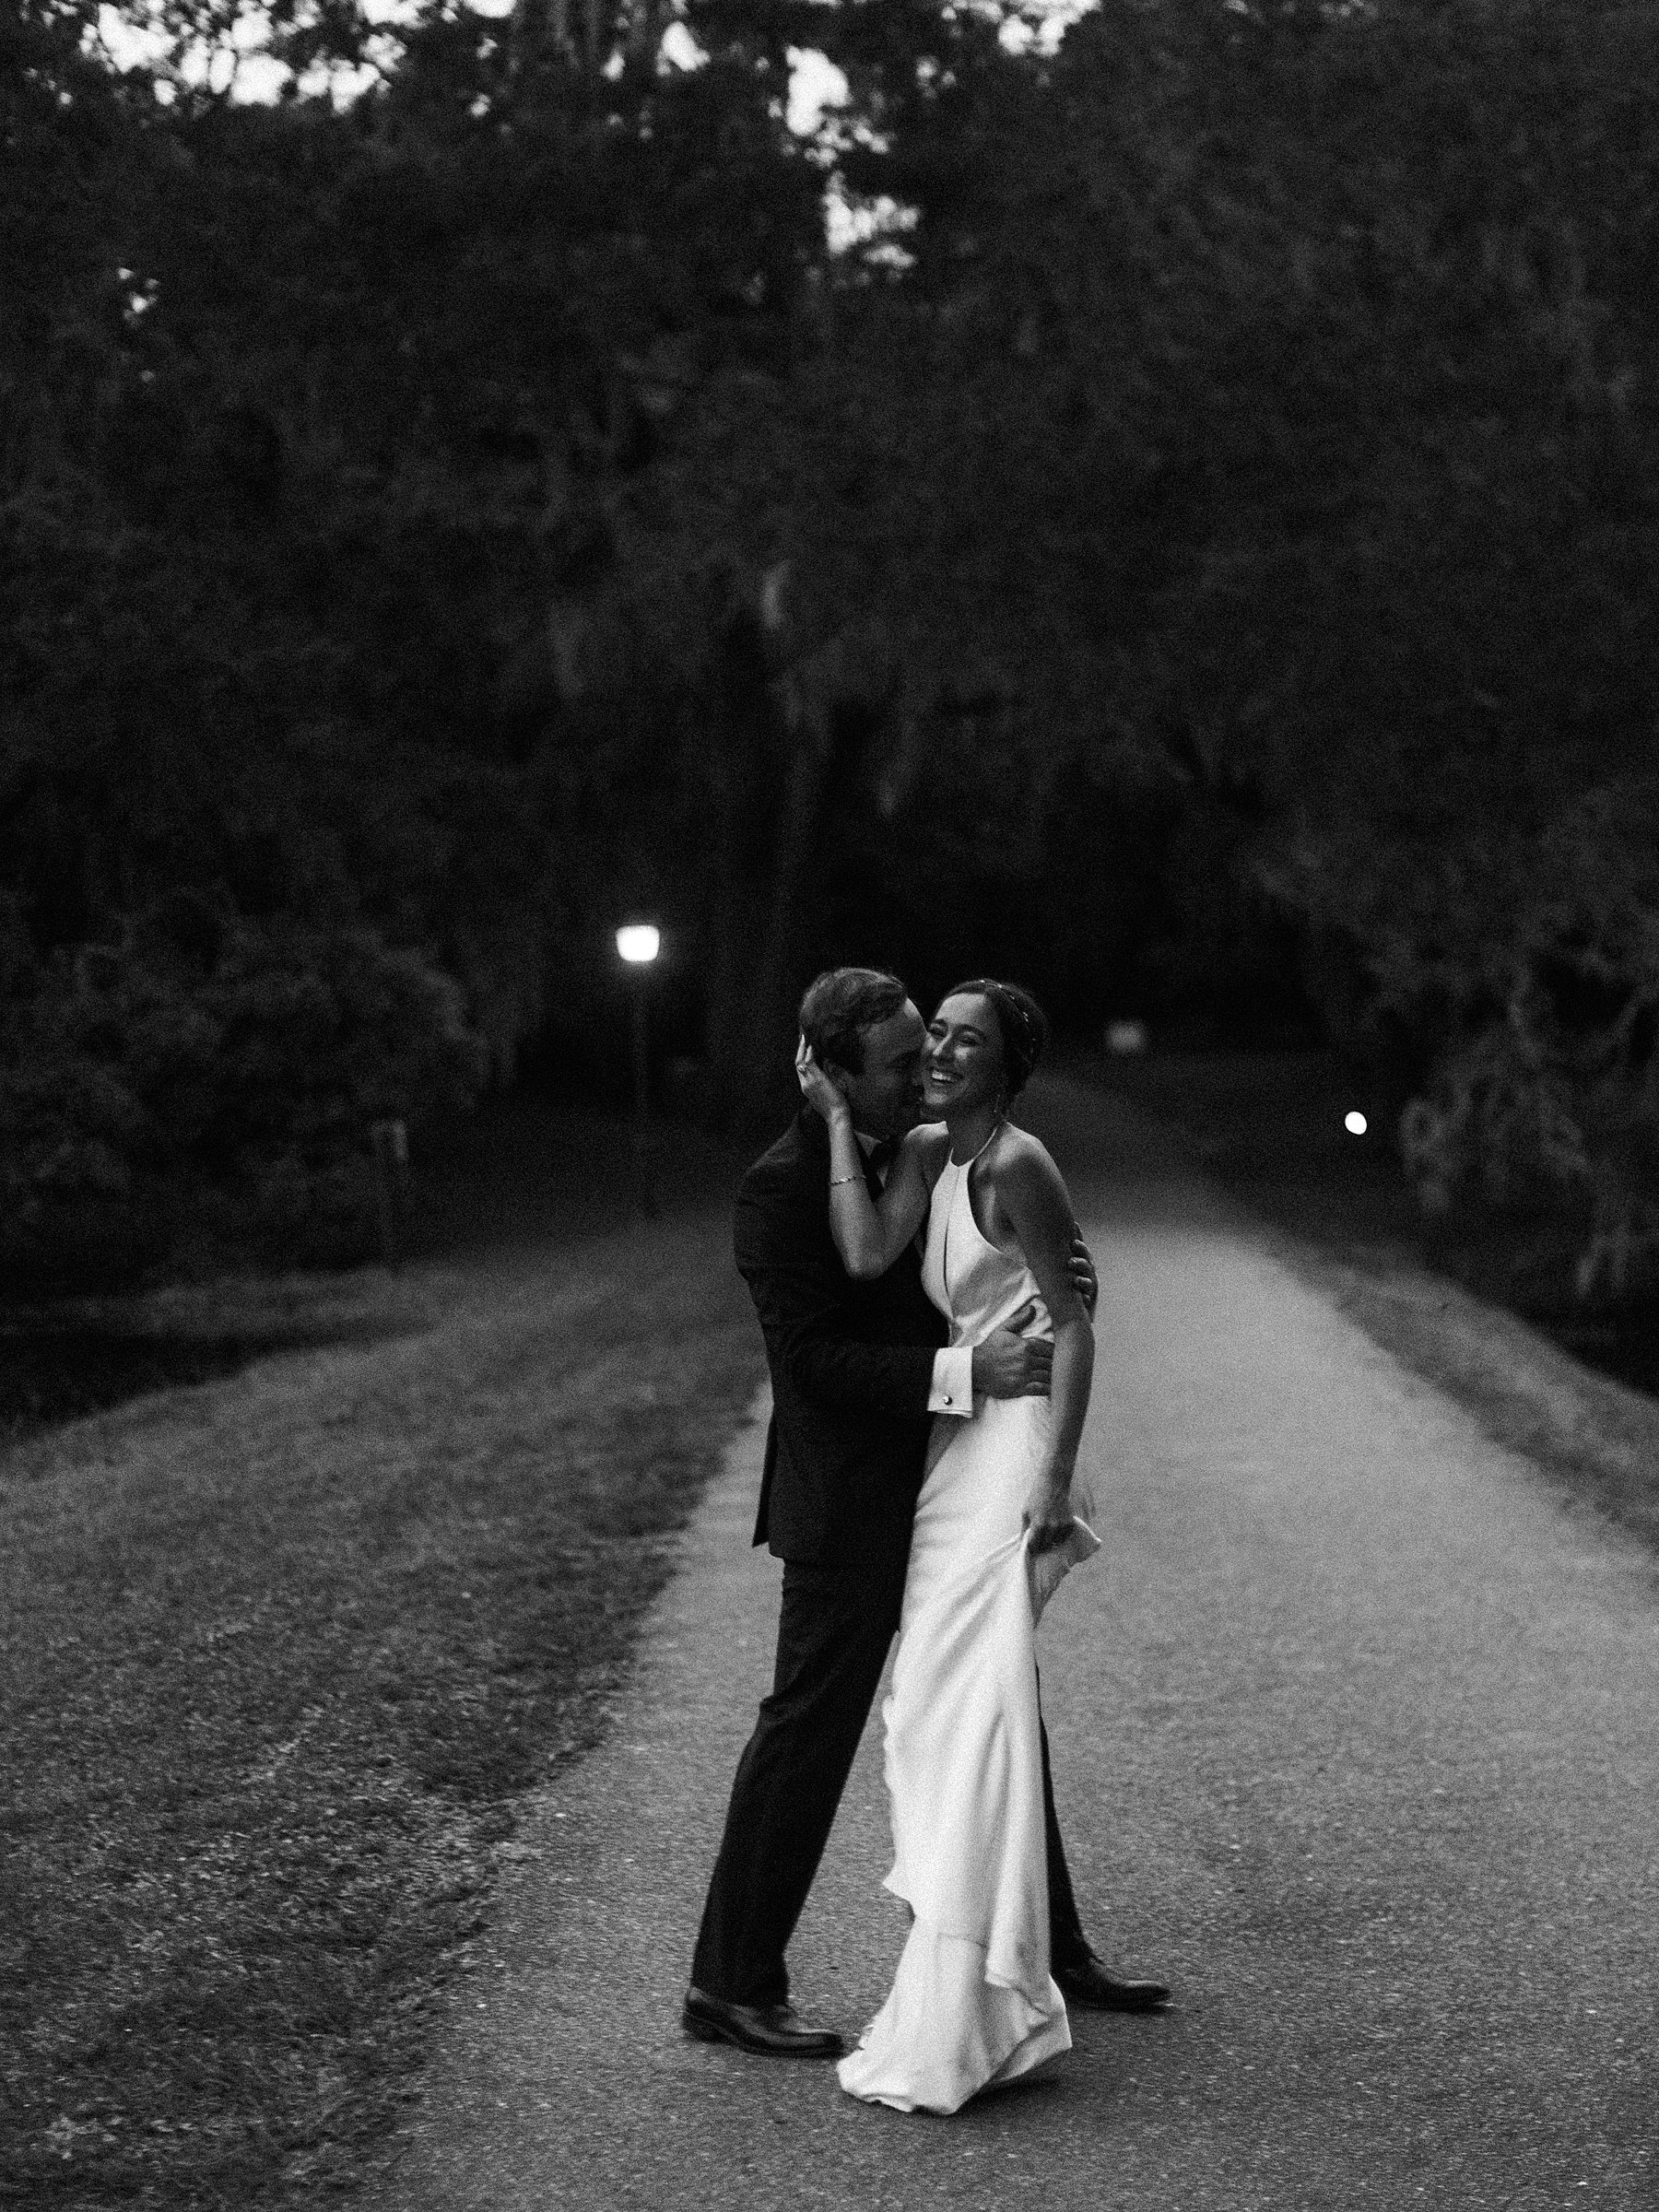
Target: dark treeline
1197, 551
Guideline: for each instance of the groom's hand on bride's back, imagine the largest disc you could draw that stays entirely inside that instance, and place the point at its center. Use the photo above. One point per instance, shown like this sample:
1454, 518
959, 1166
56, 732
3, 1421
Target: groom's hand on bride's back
1009, 1365
1081, 1266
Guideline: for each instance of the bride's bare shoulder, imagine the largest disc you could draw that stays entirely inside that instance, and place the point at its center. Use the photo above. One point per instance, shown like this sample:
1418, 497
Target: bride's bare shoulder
928, 1144
1017, 1156
1013, 1143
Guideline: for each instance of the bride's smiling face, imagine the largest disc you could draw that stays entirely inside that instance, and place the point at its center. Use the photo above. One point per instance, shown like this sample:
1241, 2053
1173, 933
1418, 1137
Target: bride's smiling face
962, 1066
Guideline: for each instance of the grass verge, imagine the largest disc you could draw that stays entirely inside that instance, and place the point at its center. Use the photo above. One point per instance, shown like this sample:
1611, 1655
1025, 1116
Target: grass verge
280, 1650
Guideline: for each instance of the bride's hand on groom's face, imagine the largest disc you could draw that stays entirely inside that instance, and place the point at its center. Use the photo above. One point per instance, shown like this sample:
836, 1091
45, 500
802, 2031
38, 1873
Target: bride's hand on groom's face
817, 1089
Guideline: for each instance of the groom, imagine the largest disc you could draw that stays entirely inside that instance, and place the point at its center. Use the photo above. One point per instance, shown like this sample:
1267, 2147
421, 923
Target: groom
858, 1371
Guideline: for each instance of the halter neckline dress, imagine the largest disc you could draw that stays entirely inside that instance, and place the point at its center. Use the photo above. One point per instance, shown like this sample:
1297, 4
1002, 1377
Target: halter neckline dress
973, 2004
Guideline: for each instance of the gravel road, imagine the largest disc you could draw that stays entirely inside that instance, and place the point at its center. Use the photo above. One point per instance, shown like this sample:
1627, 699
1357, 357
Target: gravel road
1356, 1731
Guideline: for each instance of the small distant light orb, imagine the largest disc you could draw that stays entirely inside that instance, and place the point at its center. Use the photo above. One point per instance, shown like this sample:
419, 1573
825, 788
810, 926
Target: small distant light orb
1355, 1124
639, 943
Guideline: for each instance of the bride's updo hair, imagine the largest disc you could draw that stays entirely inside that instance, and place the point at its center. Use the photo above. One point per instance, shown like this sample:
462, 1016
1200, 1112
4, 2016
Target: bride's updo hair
1022, 1021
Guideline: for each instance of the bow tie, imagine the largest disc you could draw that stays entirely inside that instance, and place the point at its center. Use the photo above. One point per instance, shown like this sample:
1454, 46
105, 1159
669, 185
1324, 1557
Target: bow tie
879, 1157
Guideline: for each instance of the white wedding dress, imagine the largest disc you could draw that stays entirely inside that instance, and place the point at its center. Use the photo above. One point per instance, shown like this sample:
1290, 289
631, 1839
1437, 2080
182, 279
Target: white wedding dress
973, 2004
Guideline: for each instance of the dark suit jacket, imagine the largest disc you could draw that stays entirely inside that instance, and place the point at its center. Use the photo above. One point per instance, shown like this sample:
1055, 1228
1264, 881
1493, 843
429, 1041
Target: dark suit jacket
851, 1367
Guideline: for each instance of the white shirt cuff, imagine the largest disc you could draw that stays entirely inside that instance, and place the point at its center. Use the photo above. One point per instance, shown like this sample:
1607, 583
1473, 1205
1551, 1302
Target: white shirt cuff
952, 1389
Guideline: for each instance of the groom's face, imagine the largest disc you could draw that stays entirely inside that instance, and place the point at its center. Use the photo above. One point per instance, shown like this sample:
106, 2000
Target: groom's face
885, 1095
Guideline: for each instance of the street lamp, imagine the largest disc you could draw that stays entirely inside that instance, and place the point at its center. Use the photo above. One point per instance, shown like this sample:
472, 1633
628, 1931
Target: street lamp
638, 943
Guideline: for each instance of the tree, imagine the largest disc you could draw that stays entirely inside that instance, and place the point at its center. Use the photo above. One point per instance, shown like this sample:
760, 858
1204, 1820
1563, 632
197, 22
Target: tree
1225, 463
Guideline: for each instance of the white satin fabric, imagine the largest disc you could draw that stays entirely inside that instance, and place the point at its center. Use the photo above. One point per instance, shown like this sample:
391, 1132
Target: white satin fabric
973, 2004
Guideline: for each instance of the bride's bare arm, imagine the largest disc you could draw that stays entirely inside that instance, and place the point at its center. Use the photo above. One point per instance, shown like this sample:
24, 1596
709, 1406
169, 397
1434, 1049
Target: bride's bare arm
869, 1234
1031, 1193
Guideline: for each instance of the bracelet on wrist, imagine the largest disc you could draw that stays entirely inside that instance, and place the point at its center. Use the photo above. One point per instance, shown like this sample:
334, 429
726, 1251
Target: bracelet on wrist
836, 1179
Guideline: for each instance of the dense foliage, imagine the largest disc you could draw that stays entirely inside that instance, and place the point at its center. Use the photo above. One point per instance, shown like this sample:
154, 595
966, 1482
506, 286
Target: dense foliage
1314, 362
319, 435
1198, 551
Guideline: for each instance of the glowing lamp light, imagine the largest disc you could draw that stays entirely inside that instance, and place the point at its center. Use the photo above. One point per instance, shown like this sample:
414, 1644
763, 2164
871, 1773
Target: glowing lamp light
639, 943
1355, 1124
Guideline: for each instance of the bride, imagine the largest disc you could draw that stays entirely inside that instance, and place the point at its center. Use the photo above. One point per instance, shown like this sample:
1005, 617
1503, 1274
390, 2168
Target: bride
973, 2004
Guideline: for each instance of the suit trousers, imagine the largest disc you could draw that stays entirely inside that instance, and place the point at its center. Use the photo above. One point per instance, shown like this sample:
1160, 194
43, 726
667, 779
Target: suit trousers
834, 1629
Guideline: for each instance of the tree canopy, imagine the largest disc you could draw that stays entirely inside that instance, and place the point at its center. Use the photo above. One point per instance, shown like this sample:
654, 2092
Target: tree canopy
1184, 534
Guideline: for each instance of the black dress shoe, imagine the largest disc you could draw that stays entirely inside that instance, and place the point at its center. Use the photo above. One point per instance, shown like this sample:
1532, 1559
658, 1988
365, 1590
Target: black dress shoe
769, 2031
1090, 1982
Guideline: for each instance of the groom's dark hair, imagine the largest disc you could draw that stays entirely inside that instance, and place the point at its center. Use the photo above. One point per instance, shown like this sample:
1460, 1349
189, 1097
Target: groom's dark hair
839, 1005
